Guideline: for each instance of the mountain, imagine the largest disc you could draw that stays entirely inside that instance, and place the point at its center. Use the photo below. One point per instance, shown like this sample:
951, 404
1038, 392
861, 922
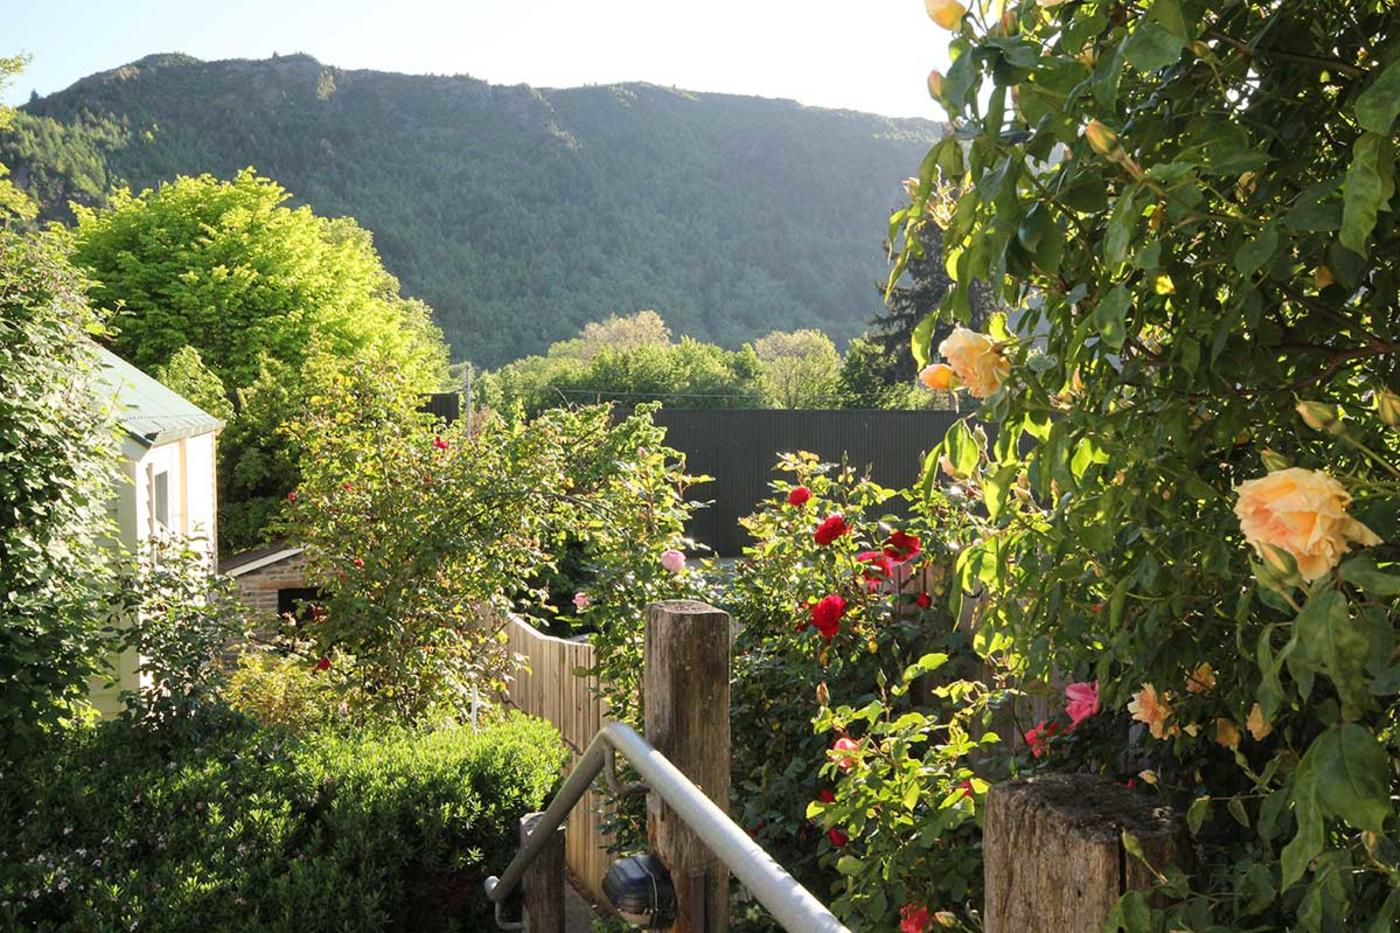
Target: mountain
518, 213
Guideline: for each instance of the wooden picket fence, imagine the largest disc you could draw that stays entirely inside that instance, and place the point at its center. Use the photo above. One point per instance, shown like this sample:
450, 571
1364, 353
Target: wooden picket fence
548, 686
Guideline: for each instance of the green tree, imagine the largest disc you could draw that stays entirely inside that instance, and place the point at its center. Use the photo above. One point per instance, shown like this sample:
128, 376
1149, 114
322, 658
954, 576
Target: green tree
58, 452
862, 383
798, 369
229, 269
270, 301
645, 366
186, 374
14, 203
920, 291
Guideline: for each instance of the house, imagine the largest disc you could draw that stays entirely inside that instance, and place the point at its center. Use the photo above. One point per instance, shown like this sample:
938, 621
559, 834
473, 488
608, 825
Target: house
170, 480
271, 580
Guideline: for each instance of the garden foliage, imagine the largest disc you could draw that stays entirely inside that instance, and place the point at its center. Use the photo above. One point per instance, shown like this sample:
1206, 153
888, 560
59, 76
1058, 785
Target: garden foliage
57, 464
236, 827
1191, 500
424, 536
222, 286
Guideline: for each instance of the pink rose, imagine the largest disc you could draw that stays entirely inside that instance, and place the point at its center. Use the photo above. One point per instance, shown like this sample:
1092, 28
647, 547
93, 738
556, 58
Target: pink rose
673, 560
845, 744
581, 601
1081, 701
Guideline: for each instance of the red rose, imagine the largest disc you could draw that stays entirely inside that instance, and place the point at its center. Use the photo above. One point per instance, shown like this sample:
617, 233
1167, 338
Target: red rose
347, 486
838, 838
359, 563
826, 796
324, 664
439, 443
799, 496
923, 601
1039, 738
291, 496
902, 546
826, 615
833, 527
879, 567
967, 789
913, 918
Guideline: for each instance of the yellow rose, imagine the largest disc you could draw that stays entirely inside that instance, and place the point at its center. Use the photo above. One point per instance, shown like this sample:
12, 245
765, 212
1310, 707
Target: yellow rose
1101, 139
976, 360
937, 376
1147, 707
1226, 733
1258, 726
1302, 513
935, 84
946, 13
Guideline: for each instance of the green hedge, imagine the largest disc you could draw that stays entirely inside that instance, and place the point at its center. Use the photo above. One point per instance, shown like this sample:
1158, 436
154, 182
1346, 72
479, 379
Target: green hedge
251, 829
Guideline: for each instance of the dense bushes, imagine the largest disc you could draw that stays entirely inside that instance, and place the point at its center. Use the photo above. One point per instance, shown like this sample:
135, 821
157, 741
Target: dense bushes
255, 829
57, 459
1191, 502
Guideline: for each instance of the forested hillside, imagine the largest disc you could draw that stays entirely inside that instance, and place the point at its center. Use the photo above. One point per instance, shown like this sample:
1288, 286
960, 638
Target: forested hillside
519, 214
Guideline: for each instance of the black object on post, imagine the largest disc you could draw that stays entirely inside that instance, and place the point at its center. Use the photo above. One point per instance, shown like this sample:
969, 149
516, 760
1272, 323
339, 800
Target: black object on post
641, 890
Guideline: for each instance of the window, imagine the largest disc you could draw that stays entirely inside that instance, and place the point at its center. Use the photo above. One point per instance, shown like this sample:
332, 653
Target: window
160, 499
297, 602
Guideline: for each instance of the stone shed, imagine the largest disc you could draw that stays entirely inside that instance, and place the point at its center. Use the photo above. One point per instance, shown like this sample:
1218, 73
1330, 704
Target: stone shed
271, 579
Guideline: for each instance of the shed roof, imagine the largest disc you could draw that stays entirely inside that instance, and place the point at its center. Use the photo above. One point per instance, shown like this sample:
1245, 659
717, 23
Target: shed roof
150, 412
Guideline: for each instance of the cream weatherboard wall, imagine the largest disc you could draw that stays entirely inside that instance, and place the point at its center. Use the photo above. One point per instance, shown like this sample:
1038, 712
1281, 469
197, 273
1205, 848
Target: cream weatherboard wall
168, 486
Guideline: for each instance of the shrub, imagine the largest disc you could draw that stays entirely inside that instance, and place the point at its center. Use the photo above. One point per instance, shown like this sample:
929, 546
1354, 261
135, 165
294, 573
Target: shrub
1191, 210
288, 691
249, 829
896, 825
422, 535
57, 461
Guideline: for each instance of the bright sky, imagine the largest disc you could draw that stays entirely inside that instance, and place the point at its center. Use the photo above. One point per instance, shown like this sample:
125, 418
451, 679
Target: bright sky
870, 55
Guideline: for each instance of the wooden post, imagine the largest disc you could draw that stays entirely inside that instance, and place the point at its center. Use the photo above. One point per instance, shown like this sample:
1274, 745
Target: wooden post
686, 694
1053, 851
542, 887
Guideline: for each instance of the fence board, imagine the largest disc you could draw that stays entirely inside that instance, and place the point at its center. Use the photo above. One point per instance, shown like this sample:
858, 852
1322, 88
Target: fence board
739, 448
547, 687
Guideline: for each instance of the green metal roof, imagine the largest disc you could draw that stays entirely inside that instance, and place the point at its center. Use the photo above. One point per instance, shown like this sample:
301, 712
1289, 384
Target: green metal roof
150, 412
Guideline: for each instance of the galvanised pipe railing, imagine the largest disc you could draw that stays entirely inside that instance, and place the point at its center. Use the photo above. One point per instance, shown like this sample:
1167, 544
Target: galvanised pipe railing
790, 903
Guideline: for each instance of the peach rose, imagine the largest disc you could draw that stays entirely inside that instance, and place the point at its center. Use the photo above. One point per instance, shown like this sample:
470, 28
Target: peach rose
976, 360
937, 376
946, 13
1148, 707
1303, 513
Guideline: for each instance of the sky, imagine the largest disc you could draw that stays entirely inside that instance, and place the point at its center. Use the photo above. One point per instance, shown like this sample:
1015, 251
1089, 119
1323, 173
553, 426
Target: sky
870, 55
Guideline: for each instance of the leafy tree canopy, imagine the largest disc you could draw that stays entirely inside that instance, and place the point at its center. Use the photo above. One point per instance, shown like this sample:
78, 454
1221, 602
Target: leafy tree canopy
798, 369
228, 269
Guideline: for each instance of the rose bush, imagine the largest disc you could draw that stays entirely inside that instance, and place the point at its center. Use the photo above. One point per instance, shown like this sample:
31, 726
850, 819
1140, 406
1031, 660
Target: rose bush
1189, 211
854, 766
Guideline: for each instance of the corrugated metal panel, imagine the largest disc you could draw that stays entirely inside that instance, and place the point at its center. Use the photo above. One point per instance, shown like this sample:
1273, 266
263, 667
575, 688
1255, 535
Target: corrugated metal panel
740, 448
149, 411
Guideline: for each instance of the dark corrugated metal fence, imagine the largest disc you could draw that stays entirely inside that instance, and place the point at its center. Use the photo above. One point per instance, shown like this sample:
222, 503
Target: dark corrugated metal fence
740, 447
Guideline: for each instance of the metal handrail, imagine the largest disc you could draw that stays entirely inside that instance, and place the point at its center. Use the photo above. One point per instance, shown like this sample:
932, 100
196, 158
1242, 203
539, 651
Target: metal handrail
790, 903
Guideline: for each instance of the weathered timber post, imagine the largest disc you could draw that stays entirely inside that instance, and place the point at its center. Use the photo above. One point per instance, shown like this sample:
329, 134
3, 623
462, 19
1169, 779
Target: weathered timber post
542, 887
1053, 851
686, 694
